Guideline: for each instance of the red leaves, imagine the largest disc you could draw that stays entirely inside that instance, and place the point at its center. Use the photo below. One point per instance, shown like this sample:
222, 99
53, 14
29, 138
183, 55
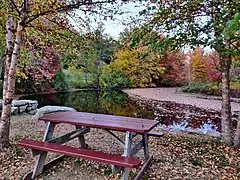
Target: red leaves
41, 67
175, 66
214, 75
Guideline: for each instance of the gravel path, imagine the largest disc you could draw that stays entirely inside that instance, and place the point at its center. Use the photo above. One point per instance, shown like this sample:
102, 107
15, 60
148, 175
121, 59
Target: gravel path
171, 94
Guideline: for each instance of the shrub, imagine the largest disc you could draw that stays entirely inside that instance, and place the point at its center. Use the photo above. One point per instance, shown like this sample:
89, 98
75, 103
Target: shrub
114, 80
60, 81
210, 89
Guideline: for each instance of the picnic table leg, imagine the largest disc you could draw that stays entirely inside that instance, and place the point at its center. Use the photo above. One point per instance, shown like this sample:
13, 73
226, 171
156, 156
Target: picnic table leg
42, 157
127, 151
147, 157
145, 145
81, 138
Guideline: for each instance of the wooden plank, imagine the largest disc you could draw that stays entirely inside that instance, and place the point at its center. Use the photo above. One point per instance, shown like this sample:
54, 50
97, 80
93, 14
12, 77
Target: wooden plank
127, 151
107, 117
46, 167
136, 148
81, 138
114, 159
40, 161
144, 168
145, 145
64, 138
102, 121
155, 134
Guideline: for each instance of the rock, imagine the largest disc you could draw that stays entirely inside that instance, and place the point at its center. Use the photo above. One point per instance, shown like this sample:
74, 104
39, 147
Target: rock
14, 110
50, 109
17, 103
22, 109
33, 112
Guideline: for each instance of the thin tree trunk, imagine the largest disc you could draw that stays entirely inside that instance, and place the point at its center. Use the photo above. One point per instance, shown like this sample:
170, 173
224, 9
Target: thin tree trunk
2, 60
9, 51
6, 110
5, 123
227, 131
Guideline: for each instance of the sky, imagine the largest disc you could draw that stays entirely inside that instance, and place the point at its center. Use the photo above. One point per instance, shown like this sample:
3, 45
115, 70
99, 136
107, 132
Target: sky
114, 27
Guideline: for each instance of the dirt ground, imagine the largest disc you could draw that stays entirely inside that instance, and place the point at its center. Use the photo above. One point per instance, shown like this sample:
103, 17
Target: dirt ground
176, 156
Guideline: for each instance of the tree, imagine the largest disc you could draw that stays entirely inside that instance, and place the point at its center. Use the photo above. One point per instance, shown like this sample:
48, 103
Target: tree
200, 22
142, 70
19, 16
213, 67
198, 66
175, 73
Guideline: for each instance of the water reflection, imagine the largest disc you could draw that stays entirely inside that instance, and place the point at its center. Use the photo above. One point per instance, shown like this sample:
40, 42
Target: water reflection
115, 103
206, 128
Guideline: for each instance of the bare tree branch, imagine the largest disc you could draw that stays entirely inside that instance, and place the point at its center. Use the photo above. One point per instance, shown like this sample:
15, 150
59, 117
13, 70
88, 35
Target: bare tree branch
15, 7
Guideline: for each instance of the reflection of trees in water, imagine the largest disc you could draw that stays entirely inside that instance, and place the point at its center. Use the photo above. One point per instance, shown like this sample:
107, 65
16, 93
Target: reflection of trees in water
116, 103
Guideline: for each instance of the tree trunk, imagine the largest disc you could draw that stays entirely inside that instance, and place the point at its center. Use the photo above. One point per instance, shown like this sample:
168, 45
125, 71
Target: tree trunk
9, 51
2, 60
5, 123
227, 131
8, 97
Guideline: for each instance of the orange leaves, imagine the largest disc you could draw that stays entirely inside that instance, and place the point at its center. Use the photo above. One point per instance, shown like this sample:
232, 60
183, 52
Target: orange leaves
204, 67
198, 66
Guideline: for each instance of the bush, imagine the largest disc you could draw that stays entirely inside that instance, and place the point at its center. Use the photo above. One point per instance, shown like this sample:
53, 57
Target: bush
114, 80
196, 87
60, 81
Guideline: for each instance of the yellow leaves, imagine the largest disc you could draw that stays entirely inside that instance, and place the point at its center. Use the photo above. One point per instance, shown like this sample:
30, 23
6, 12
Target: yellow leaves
39, 6
141, 70
198, 66
21, 75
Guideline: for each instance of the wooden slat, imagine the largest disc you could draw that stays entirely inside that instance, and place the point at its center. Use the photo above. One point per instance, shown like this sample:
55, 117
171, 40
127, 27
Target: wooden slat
119, 123
144, 168
28, 175
155, 134
114, 159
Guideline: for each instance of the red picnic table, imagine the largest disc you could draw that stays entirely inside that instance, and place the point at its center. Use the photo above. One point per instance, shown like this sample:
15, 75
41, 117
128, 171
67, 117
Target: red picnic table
83, 122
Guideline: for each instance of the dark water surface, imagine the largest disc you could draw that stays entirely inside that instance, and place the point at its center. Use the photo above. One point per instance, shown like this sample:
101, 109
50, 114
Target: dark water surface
113, 103
118, 103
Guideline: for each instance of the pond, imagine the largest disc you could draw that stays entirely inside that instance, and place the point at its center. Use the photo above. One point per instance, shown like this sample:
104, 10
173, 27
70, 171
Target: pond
113, 103
118, 103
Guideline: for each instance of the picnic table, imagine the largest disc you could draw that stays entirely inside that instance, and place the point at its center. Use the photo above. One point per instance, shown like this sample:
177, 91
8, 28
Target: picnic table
83, 123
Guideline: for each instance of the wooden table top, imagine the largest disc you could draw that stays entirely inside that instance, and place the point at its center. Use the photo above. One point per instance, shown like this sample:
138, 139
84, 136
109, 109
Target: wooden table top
119, 123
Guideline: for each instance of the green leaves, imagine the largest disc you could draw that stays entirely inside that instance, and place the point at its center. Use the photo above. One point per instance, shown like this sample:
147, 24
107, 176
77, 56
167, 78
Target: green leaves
134, 42
234, 24
192, 23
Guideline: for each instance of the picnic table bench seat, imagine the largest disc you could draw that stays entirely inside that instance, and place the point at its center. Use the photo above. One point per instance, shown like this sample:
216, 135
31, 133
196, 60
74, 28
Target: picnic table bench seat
114, 159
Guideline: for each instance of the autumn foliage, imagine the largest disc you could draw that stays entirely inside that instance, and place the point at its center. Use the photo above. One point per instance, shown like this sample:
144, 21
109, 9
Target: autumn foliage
141, 70
204, 66
147, 69
175, 73
38, 66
